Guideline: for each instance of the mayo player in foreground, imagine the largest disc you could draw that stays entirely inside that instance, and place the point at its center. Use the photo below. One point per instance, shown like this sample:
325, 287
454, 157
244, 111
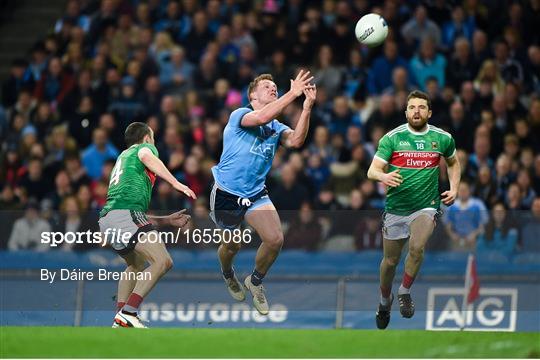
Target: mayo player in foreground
250, 140
412, 153
130, 188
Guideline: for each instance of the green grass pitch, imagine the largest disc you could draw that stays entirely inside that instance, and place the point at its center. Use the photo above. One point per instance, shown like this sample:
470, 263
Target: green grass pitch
275, 343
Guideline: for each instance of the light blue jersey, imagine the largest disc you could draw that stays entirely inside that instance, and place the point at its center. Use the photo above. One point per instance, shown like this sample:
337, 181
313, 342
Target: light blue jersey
247, 155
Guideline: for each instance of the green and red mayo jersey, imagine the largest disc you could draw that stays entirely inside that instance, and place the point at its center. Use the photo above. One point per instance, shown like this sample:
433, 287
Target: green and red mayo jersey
417, 156
130, 185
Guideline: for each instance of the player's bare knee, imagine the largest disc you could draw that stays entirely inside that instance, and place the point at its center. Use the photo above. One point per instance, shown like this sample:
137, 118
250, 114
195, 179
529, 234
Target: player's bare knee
391, 261
164, 264
232, 248
274, 241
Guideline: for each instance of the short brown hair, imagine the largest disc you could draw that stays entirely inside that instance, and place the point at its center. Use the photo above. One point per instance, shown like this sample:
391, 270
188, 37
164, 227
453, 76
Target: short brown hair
417, 94
135, 133
256, 81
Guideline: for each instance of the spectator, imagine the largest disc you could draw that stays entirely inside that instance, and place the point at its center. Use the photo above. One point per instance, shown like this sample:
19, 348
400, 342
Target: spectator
490, 77
128, 107
55, 84
19, 78
356, 76
34, 182
38, 62
510, 69
460, 25
480, 156
532, 80
317, 172
62, 189
176, 75
485, 188
198, 37
501, 233
289, 194
72, 220
503, 175
461, 67
193, 177
536, 176
380, 73
461, 126
419, 27
75, 171
428, 63
465, 220
327, 75
527, 192
513, 198
531, 229
27, 231
470, 101
174, 22
95, 155
514, 107
304, 231
385, 116
25, 106
342, 116
400, 81
126, 36
368, 234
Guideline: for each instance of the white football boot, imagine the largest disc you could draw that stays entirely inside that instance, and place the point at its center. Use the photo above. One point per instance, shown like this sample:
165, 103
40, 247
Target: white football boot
259, 299
235, 288
124, 320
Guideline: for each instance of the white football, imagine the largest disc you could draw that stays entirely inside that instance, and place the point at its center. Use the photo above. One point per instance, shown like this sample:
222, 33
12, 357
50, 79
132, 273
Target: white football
371, 29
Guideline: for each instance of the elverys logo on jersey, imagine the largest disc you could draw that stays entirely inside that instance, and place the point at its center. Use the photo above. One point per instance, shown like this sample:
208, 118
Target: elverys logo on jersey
495, 309
415, 159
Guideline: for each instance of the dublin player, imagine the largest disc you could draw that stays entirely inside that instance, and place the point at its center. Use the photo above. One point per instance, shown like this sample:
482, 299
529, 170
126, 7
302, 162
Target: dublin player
412, 153
250, 140
130, 188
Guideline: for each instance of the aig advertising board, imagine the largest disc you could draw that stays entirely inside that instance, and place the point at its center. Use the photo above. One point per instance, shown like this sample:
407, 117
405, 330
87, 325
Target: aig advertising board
295, 303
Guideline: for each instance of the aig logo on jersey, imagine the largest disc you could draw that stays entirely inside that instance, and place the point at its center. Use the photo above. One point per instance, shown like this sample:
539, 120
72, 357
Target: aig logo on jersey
494, 310
262, 148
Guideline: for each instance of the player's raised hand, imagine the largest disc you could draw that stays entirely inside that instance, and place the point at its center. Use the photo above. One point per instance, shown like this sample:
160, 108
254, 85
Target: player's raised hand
392, 179
311, 93
185, 190
301, 82
448, 197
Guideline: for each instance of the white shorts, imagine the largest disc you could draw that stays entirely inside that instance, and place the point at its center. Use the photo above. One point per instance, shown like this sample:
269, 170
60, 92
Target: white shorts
125, 222
396, 227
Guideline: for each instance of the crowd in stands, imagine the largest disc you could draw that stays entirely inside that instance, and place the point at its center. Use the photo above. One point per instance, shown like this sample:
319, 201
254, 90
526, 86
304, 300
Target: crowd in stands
183, 66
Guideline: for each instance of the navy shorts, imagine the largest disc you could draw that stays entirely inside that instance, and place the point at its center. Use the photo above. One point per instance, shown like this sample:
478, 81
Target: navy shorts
228, 210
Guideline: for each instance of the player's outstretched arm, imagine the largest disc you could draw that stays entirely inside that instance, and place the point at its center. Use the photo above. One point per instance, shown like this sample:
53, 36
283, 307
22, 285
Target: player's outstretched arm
270, 111
295, 138
454, 176
178, 219
154, 164
376, 172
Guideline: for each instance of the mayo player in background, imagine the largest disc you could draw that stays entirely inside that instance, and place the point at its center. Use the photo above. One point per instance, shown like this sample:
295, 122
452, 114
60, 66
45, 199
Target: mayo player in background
412, 153
250, 140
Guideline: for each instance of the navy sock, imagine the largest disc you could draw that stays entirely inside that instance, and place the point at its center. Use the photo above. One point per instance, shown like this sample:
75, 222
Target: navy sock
257, 278
228, 274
